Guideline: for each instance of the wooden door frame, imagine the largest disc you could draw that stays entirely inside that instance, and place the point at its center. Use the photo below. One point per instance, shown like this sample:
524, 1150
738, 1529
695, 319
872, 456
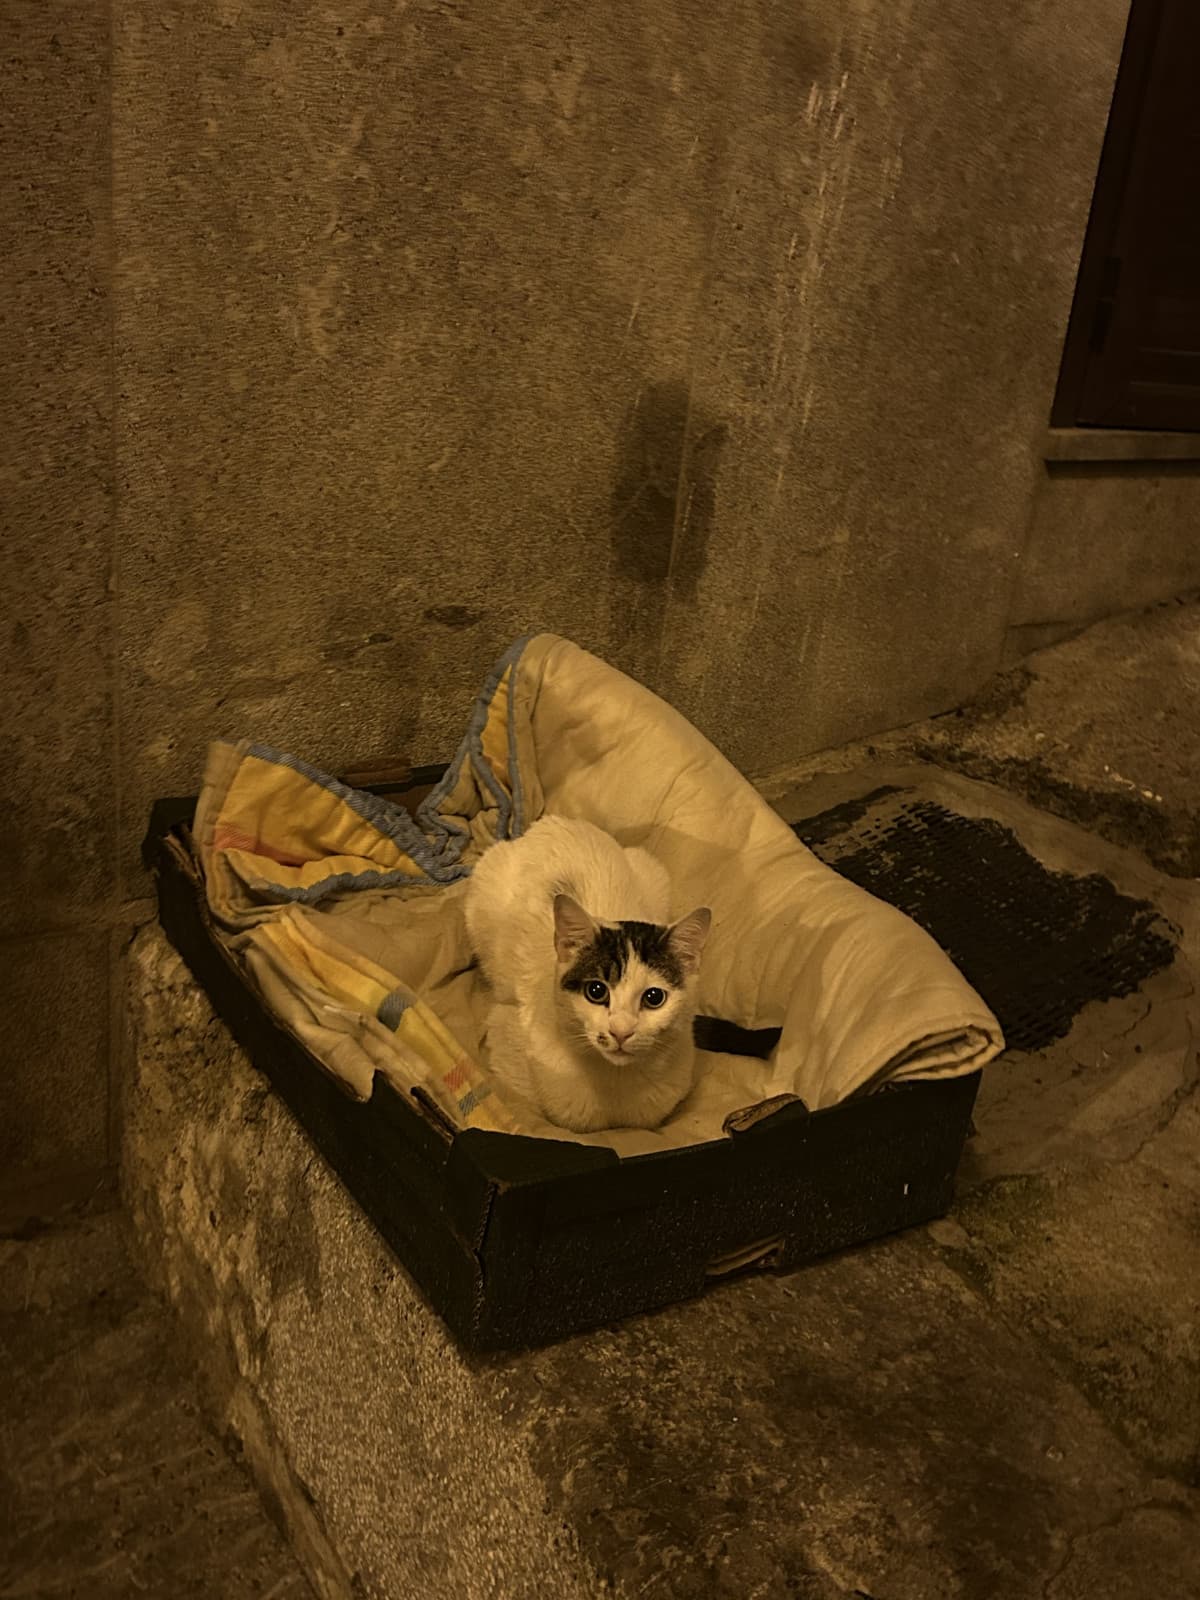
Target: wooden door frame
1092, 287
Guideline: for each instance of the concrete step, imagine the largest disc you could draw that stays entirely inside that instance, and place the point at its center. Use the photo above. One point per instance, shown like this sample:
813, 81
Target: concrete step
1002, 1404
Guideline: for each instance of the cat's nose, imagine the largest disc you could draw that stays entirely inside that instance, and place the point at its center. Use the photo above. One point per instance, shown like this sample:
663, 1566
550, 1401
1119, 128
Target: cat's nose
621, 1034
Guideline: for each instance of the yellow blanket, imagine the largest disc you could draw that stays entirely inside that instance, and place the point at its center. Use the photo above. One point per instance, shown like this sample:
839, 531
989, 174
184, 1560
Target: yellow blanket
347, 911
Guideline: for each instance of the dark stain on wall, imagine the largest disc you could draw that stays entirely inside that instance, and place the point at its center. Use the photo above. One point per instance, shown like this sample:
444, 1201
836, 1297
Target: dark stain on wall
453, 616
797, 52
342, 650
664, 500
698, 488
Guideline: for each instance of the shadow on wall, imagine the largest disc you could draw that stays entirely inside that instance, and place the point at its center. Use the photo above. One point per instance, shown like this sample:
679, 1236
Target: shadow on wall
665, 496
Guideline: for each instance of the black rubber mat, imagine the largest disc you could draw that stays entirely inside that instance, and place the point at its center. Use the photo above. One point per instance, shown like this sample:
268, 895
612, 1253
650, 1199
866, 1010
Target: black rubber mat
1037, 945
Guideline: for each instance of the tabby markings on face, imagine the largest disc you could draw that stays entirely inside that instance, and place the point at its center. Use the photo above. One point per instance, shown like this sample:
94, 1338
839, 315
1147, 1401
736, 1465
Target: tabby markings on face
612, 949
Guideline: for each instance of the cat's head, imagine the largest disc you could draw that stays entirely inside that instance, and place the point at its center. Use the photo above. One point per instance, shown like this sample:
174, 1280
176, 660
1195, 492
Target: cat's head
626, 987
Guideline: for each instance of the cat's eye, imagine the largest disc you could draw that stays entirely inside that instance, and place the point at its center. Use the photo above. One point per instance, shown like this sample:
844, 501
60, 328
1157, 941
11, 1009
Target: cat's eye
596, 992
653, 998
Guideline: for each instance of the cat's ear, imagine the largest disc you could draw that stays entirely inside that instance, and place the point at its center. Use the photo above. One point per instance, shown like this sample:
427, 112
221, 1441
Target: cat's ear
687, 937
573, 928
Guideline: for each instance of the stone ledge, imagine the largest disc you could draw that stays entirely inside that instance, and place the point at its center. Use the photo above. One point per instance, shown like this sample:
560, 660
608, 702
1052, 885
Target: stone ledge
369, 1435
872, 1424
1118, 444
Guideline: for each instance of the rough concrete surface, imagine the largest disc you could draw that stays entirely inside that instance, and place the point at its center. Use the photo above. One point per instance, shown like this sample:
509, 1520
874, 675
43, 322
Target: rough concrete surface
1004, 1404
57, 776
352, 1405
1103, 539
52, 1061
869, 1427
58, 773
111, 1484
1109, 1080
1100, 729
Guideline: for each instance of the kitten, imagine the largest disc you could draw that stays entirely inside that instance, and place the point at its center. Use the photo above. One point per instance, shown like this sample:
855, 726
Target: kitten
594, 990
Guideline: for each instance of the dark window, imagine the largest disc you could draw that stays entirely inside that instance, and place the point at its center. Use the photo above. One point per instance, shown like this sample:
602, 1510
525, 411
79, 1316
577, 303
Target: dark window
1132, 355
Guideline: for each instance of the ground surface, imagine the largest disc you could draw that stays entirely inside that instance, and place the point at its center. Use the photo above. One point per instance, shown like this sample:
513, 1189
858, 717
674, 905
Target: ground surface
1103, 730
111, 1483
1005, 1404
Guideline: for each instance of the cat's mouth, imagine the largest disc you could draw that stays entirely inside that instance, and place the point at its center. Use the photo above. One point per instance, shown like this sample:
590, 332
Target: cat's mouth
616, 1052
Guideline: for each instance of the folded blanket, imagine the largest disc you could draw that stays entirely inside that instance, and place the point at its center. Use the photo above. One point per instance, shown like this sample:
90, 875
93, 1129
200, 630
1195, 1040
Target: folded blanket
347, 911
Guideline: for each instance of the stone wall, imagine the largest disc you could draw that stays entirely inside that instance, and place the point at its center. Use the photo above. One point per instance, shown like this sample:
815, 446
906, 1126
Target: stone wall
718, 337
59, 781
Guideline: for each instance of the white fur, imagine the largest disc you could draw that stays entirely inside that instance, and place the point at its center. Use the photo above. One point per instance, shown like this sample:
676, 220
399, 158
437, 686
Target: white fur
583, 1066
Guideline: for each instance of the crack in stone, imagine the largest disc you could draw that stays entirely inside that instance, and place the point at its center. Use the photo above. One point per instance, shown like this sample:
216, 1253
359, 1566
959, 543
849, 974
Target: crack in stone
1178, 1097
1151, 1503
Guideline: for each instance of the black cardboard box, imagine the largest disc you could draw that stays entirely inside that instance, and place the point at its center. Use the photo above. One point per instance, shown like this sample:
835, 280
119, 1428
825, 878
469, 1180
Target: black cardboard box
517, 1241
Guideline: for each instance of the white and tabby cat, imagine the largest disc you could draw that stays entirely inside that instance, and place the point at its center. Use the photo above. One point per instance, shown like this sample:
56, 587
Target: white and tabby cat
594, 989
